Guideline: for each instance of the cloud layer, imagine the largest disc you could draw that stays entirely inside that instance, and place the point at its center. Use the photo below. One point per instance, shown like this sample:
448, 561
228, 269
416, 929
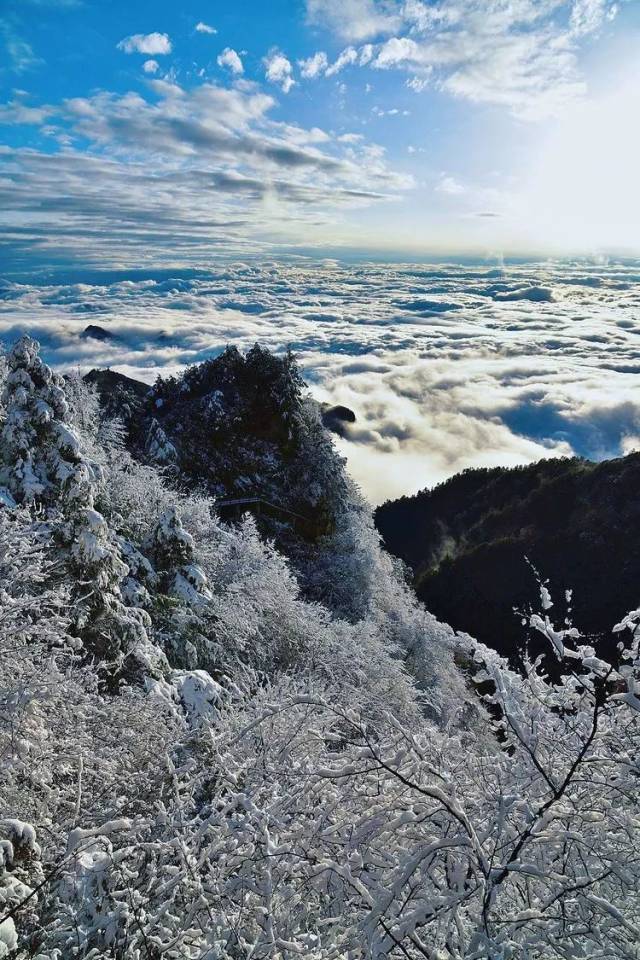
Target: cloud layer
277, 142
522, 55
177, 174
446, 366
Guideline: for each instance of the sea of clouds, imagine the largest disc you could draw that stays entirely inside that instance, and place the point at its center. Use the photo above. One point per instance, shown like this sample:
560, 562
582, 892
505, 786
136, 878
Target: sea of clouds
446, 366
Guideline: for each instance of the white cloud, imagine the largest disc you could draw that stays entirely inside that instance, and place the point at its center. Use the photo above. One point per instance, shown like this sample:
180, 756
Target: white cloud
18, 112
314, 66
151, 66
587, 16
522, 55
19, 53
393, 112
417, 84
355, 20
318, 64
230, 59
279, 70
205, 28
450, 185
178, 174
149, 43
366, 54
400, 50
347, 57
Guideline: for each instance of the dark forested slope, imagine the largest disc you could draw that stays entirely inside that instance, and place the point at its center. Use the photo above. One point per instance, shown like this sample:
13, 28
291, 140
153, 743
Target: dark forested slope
240, 426
466, 541
194, 716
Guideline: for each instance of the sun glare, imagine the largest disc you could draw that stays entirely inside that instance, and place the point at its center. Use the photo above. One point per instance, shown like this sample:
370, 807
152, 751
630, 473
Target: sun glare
582, 192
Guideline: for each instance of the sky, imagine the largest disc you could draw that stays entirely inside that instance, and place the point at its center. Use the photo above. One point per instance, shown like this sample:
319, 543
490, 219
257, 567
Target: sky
434, 203
142, 134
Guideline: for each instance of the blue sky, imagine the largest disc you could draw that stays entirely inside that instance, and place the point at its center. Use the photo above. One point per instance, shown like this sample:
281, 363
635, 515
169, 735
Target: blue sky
141, 133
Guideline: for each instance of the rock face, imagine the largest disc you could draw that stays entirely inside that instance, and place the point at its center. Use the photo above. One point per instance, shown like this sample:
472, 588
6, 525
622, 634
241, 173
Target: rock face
335, 418
94, 332
534, 294
121, 397
108, 381
466, 542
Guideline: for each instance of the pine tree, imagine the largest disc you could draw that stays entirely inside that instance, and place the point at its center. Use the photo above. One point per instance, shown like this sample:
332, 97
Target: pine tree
109, 628
158, 446
173, 553
38, 447
45, 466
182, 592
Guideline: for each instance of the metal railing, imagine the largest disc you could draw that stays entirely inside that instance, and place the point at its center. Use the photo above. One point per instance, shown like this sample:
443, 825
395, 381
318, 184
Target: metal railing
260, 502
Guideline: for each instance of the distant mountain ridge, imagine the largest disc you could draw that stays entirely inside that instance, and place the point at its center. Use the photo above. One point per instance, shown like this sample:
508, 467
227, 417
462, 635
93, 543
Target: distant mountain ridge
466, 541
107, 382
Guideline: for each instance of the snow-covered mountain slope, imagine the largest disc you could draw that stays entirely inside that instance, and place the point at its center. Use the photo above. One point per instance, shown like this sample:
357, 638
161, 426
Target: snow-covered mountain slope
211, 748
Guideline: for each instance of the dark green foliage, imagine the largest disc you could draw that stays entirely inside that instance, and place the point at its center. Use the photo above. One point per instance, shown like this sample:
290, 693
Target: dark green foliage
242, 426
257, 396
107, 382
235, 420
466, 541
121, 397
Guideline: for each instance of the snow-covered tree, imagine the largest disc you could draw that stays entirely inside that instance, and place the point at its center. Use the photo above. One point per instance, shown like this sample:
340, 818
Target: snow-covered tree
172, 550
159, 448
101, 435
299, 829
137, 494
44, 465
110, 630
311, 776
319, 478
181, 593
336, 839
37, 448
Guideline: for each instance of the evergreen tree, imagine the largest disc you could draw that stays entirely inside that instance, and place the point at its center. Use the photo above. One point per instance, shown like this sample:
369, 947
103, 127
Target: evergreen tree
173, 553
158, 446
44, 465
38, 448
109, 628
